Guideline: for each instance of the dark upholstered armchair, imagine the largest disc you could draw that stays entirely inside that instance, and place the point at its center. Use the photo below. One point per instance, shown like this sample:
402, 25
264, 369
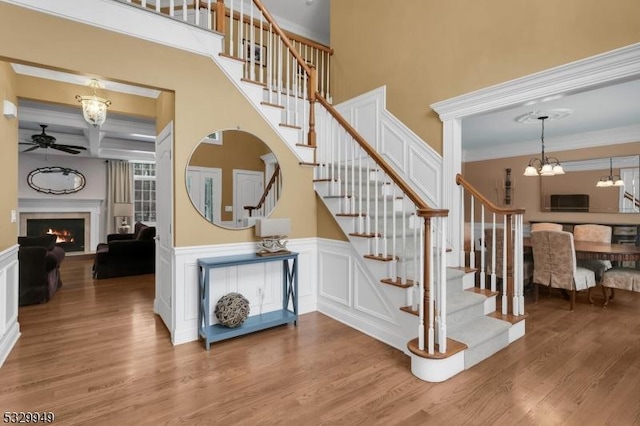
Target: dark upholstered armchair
39, 271
126, 254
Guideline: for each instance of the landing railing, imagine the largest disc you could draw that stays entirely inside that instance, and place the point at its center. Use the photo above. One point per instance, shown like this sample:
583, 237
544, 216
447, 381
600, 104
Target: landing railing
486, 239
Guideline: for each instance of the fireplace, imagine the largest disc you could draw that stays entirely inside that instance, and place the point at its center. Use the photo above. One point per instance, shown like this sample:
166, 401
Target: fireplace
56, 208
69, 232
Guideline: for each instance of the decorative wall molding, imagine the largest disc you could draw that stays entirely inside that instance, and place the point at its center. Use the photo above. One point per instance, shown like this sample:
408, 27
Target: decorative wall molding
350, 294
244, 279
410, 156
9, 288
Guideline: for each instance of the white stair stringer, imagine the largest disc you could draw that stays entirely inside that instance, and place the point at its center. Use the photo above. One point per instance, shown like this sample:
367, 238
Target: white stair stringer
467, 320
255, 93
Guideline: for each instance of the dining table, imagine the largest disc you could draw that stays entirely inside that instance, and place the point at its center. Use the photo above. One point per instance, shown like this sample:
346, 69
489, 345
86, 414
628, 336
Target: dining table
588, 250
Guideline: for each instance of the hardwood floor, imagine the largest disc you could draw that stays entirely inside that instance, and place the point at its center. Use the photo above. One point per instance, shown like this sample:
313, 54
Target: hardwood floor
96, 354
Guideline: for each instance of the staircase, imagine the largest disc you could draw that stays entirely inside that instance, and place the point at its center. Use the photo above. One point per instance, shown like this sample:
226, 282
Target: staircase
398, 240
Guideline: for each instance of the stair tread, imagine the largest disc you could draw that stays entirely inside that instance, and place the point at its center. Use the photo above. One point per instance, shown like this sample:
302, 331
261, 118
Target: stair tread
271, 104
484, 292
291, 126
304, 145
257, 83
235, 58
302, 163
397, 282
364, 235
347, 214
478, 330
379, 257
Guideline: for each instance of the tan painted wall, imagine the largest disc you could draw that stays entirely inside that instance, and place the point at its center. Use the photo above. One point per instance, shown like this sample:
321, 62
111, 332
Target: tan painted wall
192, 78
486, 175
427, 51
239, 150
9, 155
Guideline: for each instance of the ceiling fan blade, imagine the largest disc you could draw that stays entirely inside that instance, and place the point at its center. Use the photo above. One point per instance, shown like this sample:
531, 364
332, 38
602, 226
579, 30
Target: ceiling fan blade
27, 143
69, 146
64, 149
31, 149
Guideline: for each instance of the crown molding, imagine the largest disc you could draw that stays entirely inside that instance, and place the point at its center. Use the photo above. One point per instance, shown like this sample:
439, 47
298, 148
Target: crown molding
618, 64
596, 138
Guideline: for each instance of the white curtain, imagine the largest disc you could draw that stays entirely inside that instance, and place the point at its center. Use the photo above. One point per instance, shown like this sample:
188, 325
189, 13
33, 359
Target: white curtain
119, 189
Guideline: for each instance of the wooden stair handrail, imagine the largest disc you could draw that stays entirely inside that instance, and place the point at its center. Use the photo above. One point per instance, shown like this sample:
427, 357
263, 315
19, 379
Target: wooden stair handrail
272, 181
492, 207
283, 36
423, 208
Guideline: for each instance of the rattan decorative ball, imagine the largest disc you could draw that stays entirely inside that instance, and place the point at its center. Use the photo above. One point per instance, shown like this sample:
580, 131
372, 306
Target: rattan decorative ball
232, 310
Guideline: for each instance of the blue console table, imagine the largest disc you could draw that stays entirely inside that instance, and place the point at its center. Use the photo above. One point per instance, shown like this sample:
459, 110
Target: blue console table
216, 332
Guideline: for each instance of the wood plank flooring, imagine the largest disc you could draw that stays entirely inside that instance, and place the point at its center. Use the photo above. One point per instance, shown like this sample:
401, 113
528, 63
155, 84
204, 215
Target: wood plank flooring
97, 355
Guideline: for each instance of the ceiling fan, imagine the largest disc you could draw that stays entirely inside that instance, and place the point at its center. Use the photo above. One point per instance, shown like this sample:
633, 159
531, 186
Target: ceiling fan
42, 140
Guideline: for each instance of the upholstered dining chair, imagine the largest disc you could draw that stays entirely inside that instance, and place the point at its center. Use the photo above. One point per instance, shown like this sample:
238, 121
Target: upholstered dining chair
488, 238
545, 226
596, 234
554, 264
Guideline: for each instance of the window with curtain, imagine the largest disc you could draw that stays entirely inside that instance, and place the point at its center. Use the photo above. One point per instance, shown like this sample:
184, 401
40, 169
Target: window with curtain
144, 192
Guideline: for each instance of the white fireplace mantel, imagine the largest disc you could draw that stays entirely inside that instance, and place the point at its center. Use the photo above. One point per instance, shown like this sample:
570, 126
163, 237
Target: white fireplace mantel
54, 205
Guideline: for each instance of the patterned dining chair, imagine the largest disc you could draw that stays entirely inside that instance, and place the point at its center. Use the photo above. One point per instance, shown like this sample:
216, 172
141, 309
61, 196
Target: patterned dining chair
554, 264
545, 226
596, 234
527, 262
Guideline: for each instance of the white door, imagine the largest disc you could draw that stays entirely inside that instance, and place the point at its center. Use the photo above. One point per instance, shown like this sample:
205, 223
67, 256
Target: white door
204, 185
164, 224
248, 186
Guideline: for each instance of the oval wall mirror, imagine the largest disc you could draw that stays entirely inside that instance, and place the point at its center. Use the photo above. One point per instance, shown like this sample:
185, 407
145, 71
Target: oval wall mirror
56, 180
233, 178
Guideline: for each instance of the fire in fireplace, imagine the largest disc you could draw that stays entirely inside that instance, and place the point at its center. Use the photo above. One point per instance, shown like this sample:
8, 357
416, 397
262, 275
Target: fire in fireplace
69, 232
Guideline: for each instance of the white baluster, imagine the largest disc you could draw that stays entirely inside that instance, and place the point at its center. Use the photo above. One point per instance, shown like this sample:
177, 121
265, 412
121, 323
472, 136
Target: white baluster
265, 60
157, 6
196, 13
251, 40
493, 255
403, 271
483, 246
375, 212
360, 179
443, 284
184, 11
504, 266
462, 260
472, 237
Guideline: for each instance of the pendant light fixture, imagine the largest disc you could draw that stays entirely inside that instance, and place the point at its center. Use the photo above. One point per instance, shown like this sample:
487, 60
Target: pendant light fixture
94, 108
611, 180
547, 166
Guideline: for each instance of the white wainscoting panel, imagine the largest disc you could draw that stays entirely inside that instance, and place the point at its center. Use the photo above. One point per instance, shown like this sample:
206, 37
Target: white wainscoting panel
410, 156
261, 284
350, 294
335, 275
9, 287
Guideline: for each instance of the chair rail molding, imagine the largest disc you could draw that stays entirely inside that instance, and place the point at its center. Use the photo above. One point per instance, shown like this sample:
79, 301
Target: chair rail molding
617, 64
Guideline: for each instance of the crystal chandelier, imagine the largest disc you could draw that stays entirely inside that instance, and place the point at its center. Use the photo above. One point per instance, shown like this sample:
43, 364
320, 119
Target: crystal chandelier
547, 166
611, 180
94, 108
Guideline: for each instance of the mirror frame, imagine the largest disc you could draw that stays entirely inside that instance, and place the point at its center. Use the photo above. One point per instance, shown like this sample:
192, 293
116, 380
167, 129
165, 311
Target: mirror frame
270, 165
56, 169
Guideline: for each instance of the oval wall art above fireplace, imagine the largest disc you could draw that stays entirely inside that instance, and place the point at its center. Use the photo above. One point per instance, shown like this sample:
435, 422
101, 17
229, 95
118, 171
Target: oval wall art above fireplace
56, 180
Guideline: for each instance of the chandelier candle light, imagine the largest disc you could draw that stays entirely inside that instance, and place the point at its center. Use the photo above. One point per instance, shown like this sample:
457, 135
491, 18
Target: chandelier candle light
94, 108
611, 180
548, 166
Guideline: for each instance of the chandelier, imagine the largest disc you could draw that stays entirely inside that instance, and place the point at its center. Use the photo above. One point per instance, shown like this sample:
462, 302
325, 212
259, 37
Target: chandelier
546, 166
611, 180
94, 108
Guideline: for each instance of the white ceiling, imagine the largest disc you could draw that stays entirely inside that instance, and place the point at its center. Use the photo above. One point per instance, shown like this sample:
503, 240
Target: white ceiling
606, 115
309, 18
